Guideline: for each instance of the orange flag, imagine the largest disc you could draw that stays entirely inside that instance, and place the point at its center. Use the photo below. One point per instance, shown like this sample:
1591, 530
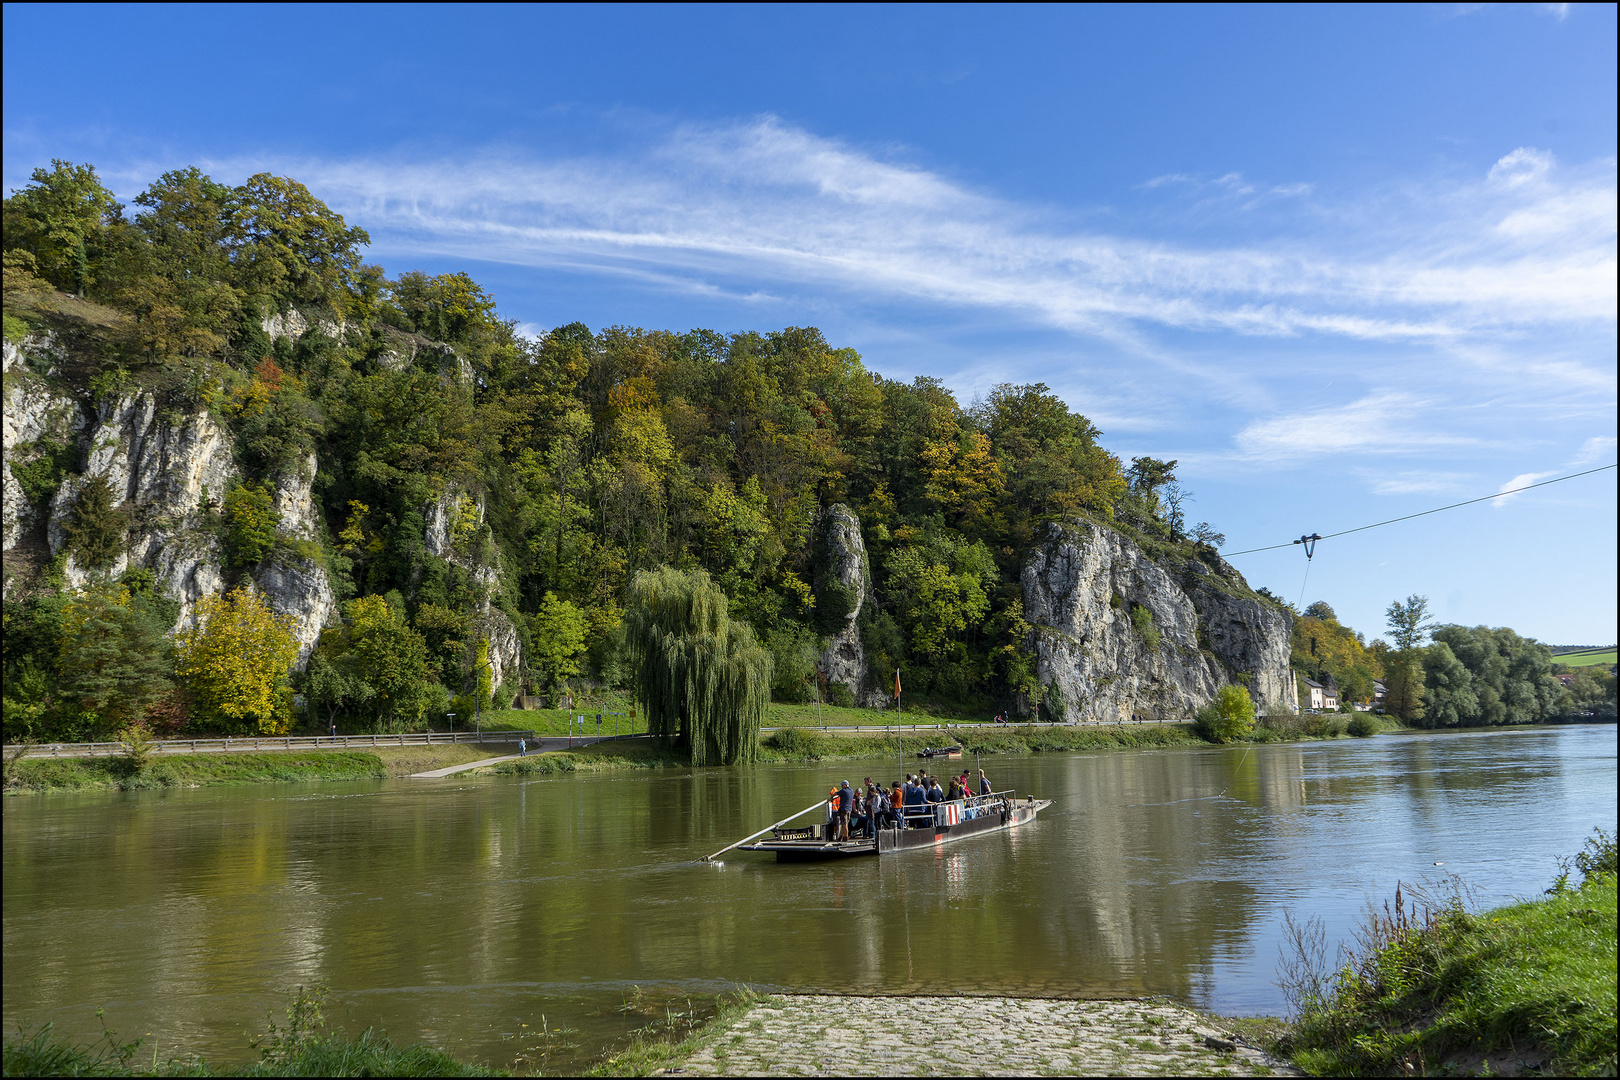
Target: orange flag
897, 684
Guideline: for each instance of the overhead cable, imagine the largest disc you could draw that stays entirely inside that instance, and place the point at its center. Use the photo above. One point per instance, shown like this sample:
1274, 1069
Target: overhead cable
1423, 513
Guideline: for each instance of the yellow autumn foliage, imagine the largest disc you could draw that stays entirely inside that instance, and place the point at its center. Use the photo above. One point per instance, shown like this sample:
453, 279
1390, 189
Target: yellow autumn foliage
235, 661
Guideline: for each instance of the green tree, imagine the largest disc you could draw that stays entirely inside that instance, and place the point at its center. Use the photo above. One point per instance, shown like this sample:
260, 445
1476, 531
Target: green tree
700, 675
97, 528
114, 659
291, 248
61, 218
391, 657
250, 523
1229, 716
1408, 626
335, 684
235, 661
559, 641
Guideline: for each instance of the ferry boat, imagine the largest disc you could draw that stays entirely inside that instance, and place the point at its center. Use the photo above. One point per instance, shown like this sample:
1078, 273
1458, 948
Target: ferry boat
926, 826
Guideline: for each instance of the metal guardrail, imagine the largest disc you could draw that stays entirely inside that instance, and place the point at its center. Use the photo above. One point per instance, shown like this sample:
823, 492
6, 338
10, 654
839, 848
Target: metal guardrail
249, 743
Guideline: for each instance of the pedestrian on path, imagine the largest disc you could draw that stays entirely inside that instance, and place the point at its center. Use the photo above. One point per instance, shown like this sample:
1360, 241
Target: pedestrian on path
523, 748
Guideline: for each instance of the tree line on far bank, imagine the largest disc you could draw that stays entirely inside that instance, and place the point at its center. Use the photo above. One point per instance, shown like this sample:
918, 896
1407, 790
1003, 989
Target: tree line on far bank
1439, 676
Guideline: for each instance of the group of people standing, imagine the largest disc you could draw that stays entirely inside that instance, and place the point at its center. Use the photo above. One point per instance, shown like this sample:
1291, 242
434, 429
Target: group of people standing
866, 809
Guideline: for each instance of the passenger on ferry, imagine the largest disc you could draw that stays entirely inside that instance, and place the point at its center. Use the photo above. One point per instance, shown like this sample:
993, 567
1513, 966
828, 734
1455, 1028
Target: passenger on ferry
846, 805
955, 791
984, 784
860, 817
897, 800
936, 796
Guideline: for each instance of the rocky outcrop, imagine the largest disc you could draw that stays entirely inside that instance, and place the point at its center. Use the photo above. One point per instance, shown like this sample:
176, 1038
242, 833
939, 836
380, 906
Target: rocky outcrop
34, 414
1116, 636
843, 590
453, 520
300, 588
293, 324
166, 470
295, 501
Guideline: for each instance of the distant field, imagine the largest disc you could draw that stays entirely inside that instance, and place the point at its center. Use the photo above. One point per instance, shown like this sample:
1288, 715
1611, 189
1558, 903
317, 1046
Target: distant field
1586, 658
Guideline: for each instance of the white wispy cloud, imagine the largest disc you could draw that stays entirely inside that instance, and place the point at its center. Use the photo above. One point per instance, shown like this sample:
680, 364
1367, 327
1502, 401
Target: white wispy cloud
772, 205
1420, 483
1383, 423
1598, 450
1520, 481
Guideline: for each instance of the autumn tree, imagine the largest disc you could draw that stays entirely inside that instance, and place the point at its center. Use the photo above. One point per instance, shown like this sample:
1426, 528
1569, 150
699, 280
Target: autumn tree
235, 661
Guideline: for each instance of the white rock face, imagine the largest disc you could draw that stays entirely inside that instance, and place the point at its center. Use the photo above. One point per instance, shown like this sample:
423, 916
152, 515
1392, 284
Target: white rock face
300, 589
32, 411
505, 649
843, 661
1079, 591
295, 502
162, 470
293, 324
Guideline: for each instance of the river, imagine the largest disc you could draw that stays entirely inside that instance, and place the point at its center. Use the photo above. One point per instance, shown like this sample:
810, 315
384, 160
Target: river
454, 911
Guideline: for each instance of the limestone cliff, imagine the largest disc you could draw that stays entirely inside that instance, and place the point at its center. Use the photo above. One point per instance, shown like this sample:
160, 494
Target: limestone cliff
1116, 635
166, 469
36, 418
456, 533
843, 590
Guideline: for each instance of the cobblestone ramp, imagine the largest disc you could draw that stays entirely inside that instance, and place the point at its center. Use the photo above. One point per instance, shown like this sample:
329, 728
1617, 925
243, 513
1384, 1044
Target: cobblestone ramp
819, 1035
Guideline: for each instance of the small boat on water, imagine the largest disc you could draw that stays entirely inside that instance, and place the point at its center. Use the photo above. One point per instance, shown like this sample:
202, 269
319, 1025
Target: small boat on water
940, 752
924, 826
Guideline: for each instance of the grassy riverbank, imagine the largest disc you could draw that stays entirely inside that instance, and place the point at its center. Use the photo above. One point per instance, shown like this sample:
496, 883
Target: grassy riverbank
1524, 988
798, 744
35, 775
792, 744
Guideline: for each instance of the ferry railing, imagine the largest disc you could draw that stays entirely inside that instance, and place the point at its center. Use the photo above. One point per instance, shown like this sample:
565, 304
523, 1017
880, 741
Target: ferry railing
932, 811
245, 743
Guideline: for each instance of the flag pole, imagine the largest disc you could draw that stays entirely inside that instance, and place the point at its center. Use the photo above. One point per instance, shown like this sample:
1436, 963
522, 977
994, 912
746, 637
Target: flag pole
899, 736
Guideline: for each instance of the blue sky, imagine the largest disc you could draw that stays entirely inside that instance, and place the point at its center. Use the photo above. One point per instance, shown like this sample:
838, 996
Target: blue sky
1343, 263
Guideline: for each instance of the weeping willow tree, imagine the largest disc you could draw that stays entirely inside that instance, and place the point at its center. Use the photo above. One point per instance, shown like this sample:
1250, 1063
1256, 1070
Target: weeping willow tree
702, 677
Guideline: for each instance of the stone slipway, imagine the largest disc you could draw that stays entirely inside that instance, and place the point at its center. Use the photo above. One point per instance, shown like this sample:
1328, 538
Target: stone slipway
820, 1035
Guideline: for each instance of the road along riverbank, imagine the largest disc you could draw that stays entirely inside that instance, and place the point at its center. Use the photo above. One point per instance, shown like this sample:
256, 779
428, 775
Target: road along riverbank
827, 1035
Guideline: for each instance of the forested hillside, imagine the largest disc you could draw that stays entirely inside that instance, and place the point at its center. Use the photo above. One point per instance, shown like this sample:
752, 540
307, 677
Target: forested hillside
401, 454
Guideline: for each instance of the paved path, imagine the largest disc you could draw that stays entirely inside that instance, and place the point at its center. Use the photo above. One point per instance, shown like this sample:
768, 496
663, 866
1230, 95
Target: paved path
819, 1035
537, 746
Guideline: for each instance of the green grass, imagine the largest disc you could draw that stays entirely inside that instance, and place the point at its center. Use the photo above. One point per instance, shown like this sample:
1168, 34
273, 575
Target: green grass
305, 1047
1531, 985
667, 1044
559, 721
191, 770
1588, 658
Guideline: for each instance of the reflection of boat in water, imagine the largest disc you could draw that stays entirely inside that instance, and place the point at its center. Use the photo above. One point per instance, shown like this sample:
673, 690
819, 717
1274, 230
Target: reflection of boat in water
925, 826
940, 752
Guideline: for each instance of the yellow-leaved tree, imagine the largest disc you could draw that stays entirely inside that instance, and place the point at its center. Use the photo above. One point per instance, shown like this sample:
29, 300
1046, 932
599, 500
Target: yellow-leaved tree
235, 661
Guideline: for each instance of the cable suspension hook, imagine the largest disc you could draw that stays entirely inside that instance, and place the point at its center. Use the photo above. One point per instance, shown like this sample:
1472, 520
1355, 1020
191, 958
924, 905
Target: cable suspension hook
1310, 544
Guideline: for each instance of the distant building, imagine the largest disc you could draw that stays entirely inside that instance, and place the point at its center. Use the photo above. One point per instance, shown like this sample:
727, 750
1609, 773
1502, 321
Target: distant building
1324, 696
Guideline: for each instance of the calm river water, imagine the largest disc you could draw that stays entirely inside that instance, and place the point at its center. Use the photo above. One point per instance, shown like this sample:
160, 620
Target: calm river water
456, 910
